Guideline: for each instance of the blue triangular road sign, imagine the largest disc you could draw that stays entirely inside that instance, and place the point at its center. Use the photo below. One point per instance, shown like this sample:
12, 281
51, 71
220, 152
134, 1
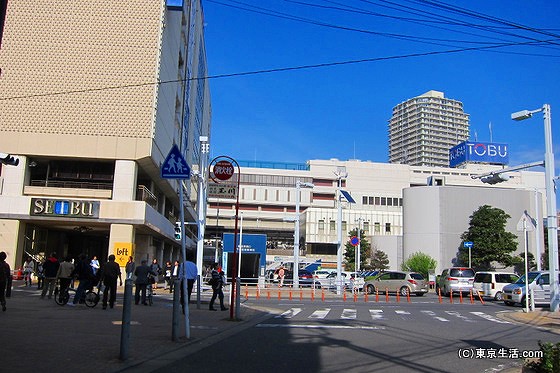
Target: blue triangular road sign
175, 166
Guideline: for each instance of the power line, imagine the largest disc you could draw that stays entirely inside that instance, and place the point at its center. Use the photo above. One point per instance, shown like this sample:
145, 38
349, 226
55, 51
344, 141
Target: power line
274, 70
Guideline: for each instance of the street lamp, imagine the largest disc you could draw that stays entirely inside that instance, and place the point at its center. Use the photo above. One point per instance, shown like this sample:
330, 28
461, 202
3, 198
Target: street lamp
552, 222
340, 175
299, 185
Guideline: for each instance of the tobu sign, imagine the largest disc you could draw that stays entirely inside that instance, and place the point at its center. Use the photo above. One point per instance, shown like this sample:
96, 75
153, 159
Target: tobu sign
223, 170
479, 152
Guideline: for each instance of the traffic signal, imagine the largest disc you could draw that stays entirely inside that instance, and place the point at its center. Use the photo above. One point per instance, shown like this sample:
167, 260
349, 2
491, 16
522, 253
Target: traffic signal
178, 231
494, 178
9, 159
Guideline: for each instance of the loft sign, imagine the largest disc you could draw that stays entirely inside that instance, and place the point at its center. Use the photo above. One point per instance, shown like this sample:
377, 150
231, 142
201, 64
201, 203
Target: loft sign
64, 208
478, 152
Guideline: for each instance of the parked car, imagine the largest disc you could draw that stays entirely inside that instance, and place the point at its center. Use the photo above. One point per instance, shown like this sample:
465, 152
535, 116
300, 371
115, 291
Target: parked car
348, 278
397, 281
456, 279
490, 283
322, 273
539, 282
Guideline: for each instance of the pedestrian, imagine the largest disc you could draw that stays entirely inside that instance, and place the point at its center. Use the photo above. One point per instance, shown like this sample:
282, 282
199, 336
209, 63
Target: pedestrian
64, 274
94, 265
142, 281
188, 273
174, 275
281, 275
40, 276
28, 271
168, 272
84, 272
129, 267
50, 270
5, 280
217, 282
155, 268
110, 272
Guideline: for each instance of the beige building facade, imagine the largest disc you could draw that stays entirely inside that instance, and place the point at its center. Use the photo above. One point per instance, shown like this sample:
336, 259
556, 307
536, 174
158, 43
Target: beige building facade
92, 99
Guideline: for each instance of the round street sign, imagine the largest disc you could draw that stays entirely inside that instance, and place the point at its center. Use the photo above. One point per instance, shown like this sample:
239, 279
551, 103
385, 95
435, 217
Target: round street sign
354, 241
223, 170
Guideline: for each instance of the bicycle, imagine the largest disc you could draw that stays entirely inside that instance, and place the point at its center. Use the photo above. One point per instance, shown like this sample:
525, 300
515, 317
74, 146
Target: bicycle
90, 297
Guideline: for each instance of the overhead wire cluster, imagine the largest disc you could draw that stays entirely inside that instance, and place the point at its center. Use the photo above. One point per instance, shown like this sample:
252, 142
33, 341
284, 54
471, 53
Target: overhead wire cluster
476, 31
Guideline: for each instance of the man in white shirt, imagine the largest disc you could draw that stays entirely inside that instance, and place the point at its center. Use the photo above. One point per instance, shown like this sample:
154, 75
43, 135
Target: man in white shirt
188, 272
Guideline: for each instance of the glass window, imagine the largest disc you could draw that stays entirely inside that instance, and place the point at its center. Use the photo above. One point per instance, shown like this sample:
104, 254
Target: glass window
364, 200
366, 226
371, 200
383, 201
377, 228
377, 201
344, 226
388, 227
321, 225
332, 225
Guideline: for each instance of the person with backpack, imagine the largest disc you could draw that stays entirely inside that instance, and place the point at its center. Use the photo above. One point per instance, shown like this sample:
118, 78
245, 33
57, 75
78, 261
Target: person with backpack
217, 282
5, 280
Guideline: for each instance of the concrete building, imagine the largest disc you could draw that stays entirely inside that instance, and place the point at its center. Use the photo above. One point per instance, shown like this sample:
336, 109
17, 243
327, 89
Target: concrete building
401, 208
92, 99
424, 128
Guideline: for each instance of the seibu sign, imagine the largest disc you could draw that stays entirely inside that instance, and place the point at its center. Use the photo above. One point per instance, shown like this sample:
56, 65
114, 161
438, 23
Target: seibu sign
223, 170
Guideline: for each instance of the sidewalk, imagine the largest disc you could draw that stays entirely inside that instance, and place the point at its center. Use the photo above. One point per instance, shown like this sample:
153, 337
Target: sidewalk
39, 335
541, 318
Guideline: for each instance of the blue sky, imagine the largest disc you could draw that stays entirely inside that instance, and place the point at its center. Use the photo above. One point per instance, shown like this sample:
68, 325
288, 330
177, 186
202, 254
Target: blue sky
341, 111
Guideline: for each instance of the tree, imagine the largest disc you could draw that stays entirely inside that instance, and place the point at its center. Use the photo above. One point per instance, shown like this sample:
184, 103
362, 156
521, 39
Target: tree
491, 242
419, 262
379, 261
519, 263
349, 254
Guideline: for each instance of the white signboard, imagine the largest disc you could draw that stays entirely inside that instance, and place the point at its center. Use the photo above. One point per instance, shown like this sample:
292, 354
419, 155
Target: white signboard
222, 190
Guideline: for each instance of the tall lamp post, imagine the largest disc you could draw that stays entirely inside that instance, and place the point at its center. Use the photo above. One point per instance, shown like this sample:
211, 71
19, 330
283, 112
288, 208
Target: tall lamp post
340, 175
299, 185
551, 220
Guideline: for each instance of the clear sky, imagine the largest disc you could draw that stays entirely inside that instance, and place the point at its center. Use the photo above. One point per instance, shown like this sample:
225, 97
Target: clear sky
497, 57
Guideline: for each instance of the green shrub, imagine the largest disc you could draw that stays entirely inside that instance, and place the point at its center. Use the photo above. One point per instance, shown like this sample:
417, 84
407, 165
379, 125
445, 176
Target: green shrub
550, 361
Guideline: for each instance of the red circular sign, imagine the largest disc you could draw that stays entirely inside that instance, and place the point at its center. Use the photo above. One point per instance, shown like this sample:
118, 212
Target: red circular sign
223, 170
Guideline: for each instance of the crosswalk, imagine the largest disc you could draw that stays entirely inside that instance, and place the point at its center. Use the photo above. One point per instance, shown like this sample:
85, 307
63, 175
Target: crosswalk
376, 314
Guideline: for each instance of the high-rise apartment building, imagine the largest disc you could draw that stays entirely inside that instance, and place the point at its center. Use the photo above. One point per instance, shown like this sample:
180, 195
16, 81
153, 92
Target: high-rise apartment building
424, 128
92, 99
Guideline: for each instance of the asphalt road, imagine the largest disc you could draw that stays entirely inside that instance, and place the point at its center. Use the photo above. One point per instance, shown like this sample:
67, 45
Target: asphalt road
335, 336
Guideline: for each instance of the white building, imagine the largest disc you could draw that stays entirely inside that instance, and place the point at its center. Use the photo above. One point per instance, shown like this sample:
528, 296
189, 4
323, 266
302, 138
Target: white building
402, 209
424, 128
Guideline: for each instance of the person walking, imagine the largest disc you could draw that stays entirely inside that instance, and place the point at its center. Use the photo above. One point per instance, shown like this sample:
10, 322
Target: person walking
40, 276
155, 268
174, 275
130, 267
217, 283
167, 278
94, 265
110, 272
188, 273
50, 270
28, 271
64, 274
5, 280
142, 281
84, 272
281, 275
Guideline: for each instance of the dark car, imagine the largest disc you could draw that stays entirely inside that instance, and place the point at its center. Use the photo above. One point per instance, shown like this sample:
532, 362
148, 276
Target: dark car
305, 278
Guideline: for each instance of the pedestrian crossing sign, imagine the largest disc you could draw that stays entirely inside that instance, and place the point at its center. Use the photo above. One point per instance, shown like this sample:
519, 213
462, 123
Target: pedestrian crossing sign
175, 166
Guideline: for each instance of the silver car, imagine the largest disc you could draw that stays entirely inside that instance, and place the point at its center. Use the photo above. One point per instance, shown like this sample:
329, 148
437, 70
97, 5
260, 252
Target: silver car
455, 279
397, 281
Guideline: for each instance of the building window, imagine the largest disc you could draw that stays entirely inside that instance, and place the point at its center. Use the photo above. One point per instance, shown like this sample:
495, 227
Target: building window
344, 226
383, 201
387, 227
366, 227
377, 228
364, 200
377, 201
371, 200
332, 225
321, 225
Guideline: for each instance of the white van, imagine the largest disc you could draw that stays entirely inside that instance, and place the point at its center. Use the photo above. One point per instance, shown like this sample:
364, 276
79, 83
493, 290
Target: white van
539, 282
490, 284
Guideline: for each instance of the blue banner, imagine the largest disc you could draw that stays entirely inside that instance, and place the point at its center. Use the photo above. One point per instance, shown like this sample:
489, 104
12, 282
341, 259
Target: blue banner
478, 152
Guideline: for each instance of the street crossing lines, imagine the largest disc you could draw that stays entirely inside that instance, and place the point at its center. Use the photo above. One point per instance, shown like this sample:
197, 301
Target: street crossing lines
383, 315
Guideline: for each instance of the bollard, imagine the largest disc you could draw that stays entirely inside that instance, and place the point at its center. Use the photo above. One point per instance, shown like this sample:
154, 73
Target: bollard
461, 297
365, 296
344, 295
376, 295
355, 297
279, 295
246, 292
471, 296
386, 295
268, 294
125, 326
408, 295
313, 295
300, 294
176, 321
398, 297
451, 296
322, 295
439, 295
290, 294
480, 297
258, 293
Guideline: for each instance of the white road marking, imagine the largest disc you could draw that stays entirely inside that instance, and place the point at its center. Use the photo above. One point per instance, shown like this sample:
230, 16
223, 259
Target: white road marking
458, 315
376, 314
490, 318
304, 326
320, 314
289, 313
349, 314
402, 312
